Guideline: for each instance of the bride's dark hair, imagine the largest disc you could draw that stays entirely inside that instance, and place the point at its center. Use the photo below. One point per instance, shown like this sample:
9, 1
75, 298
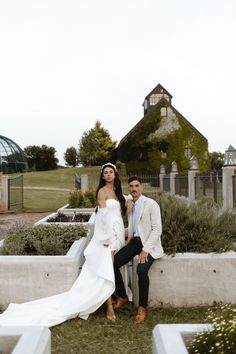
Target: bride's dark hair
117, 185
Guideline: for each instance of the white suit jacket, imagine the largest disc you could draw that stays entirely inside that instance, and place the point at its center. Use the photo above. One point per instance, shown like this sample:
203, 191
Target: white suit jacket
149, 226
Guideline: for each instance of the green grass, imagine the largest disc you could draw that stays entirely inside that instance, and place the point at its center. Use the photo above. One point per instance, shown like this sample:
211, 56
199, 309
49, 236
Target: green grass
97, 335
60, 178
44, 200
63, 178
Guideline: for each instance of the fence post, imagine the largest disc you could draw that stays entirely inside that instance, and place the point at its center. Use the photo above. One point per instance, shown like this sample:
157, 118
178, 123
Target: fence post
173, 173
193, 170
4, 193
84, 183
227, 177
161, 176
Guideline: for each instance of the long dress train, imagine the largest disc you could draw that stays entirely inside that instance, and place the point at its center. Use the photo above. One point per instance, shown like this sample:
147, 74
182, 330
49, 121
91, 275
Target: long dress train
91, 289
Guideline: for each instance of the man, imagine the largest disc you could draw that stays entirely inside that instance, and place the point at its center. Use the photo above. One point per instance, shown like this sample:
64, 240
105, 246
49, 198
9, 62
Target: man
144, 239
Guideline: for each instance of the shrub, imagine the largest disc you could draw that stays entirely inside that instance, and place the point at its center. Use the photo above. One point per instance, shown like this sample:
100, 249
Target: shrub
77, 199
198, 227
222, 337
89, 199
41, 240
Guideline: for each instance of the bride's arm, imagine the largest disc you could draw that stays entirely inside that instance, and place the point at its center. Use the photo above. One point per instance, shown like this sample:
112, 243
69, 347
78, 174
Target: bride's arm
102, 225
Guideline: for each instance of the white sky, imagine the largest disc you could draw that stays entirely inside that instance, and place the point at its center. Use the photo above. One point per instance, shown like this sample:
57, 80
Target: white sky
66, 63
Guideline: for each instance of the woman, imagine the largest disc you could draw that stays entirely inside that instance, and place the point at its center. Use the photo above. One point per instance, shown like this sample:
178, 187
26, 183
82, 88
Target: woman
95, 283
110, 204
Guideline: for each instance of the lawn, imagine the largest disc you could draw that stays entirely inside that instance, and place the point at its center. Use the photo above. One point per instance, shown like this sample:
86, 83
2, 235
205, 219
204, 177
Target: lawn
49, 190
97, 335
60, 178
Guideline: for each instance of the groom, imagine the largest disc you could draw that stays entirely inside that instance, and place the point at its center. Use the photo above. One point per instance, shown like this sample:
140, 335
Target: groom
144, 239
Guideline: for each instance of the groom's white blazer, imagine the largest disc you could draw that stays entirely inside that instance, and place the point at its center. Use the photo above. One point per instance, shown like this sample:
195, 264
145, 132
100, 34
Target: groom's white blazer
149, 226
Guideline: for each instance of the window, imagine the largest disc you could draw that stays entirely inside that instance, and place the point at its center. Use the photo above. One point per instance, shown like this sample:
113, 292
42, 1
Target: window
163, 154
163, 111
154, 98
187, 153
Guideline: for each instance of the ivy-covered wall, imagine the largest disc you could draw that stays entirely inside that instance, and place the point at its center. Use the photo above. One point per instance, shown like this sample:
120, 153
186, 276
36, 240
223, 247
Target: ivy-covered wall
143, 149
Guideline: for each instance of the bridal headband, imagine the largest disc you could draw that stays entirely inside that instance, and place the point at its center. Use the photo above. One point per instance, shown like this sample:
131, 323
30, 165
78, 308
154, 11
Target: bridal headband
109, 164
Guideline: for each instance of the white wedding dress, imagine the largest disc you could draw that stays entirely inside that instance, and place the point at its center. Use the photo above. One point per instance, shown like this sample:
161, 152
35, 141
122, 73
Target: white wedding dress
91, 289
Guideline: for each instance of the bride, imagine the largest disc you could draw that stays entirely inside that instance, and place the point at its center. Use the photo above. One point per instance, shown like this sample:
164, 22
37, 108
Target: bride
95, 283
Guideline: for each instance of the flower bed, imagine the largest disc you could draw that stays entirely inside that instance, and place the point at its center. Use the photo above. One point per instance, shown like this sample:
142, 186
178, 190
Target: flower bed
68, 216
75, 217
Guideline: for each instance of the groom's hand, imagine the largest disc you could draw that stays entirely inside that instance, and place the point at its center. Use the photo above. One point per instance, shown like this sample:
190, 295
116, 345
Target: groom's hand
143, 257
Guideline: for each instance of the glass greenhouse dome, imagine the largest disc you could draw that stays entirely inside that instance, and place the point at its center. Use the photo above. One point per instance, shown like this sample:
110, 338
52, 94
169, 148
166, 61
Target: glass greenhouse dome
12, 158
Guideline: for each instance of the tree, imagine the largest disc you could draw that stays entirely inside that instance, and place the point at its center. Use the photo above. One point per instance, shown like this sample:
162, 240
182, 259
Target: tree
71, 156
42, 158
95, 146
216, 160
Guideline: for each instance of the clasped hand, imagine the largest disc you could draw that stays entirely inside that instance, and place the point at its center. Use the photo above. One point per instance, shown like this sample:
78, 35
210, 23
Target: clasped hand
143, 257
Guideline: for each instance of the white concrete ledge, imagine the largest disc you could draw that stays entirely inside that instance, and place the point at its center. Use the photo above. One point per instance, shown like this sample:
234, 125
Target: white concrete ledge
191, 279
25, 278
174, 338
25, 340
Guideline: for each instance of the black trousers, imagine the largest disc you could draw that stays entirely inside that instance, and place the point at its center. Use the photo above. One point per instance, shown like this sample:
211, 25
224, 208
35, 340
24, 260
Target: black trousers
122, 257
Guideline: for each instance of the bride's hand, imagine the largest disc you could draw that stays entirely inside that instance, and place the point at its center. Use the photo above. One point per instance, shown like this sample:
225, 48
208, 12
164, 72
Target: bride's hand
129, 205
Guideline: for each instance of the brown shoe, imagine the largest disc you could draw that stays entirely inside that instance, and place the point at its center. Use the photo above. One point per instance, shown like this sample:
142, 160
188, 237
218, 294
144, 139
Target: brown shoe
121, 301
141, 315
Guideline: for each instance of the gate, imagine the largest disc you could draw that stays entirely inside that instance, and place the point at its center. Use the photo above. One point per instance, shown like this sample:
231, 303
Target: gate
181, 184
166, 183
15, 193
209, 184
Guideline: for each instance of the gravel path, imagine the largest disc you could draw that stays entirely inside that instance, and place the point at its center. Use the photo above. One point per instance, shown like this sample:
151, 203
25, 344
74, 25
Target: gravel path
7, 220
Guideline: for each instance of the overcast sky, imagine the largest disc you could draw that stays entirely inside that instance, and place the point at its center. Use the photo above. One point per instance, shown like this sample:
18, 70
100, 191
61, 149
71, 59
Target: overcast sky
66, 63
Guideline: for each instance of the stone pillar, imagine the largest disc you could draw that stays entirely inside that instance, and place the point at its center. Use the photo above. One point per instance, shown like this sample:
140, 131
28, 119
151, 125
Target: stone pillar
161, 176
193, 170
4, 193
84, 183
228, 170
173, 173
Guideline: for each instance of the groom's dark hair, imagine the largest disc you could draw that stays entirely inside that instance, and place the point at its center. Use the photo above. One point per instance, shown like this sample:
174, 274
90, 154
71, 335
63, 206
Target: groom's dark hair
134, 178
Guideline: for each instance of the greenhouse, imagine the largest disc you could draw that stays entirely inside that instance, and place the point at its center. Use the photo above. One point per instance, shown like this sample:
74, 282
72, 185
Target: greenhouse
12, 158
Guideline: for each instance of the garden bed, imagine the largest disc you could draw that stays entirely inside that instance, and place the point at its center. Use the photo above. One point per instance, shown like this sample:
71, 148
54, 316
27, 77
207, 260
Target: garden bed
70, 216
25, 278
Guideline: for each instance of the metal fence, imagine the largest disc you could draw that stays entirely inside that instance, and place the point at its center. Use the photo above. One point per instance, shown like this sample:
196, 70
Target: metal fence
15, 193
150, 184
209, 184
181, 184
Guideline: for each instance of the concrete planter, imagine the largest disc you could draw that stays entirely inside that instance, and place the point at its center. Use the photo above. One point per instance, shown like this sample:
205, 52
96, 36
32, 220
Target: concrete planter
25, 278
175, 338
70, 212
25, 340
191, 279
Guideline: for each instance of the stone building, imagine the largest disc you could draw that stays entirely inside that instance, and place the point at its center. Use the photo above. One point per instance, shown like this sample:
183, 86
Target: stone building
163, 135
